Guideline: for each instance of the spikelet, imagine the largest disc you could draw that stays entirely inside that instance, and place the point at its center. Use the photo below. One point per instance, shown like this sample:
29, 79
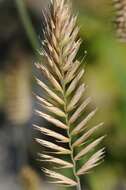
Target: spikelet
120, 7
63, 101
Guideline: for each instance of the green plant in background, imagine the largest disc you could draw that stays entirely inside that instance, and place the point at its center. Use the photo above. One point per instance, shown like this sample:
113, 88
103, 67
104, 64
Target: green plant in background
28, 26
63, 100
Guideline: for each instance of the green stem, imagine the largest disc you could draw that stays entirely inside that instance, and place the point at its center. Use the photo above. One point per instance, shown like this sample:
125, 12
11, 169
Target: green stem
31, 34
78, 187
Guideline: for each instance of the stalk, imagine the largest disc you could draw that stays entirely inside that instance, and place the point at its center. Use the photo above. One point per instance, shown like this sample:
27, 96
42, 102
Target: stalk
78, 187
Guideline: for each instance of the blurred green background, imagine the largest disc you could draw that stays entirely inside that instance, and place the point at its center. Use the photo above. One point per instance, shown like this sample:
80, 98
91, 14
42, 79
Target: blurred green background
20, 37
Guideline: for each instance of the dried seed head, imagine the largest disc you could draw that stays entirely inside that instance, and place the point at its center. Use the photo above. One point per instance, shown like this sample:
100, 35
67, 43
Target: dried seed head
64, 103
120, 6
